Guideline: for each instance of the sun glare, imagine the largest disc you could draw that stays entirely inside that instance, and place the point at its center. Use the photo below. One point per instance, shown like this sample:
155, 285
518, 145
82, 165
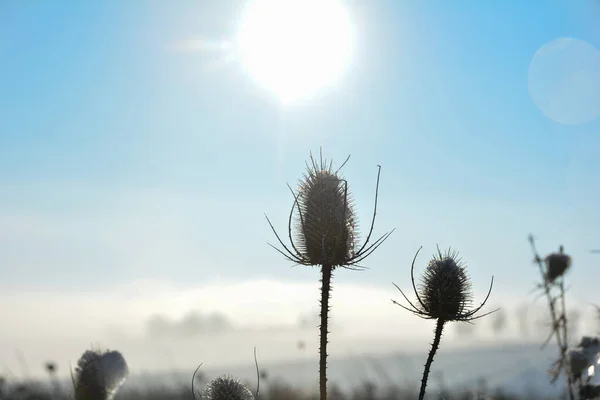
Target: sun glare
293, 48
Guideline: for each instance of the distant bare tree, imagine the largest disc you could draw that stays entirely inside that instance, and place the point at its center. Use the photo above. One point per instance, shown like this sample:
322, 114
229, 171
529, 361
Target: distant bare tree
499, 321
523, 320
574, 320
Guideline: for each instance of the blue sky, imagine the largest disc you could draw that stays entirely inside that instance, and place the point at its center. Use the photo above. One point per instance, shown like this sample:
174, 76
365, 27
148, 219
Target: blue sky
122, 160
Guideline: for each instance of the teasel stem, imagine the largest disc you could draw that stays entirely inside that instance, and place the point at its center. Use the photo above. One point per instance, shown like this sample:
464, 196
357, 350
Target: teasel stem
565, 342
546, 287
326, 272
557, 320
436, 343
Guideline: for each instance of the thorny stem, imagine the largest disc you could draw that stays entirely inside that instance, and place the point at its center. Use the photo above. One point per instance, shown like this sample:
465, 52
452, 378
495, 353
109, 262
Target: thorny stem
565, 329
434, 346
561, 342
326, 272
546, 286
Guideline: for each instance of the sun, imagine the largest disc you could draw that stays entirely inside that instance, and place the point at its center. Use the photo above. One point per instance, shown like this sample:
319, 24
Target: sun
294, 48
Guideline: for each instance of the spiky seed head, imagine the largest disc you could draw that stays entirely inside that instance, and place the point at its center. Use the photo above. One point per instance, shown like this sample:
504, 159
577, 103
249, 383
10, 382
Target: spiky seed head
444, 292
98, 376
445, 289
556, 265
226, 388
325, 223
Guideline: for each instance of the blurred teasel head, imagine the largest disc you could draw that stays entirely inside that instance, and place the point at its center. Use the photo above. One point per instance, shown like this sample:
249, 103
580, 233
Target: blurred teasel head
323, 222
578, 363
226, 388
444, 292
98, 376
581, 358
50, 367
556, 265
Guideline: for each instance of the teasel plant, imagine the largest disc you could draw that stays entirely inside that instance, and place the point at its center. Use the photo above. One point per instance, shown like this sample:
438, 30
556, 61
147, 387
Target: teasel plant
583, 360
99, 375
227, 387
445, 295
552, 270
323, 232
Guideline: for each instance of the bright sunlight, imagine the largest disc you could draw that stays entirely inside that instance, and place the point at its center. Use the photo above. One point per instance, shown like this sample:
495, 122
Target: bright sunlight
294, 48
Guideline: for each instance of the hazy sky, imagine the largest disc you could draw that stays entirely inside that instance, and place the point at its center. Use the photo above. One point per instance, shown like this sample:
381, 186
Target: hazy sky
132, 164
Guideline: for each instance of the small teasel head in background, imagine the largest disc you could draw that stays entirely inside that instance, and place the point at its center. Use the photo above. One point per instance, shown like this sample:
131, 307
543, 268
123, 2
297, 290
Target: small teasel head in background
226, 388
583, 358
444, 294
553, 266
99, 375
552, 271
50, 367
582, 361
556, 265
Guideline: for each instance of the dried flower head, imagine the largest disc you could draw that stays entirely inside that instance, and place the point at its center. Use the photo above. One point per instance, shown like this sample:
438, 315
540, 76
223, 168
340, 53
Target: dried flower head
580, 358
578, 362
588, 342
226, 388
50, 367
98, 376
323, 221
445, 290
556, 265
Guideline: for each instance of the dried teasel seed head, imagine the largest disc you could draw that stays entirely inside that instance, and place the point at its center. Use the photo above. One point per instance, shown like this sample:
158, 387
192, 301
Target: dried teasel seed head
50, 367
98, 376
226, 388
445, 289
325, 223
556, 265
444, 292
589, 341
578, 362
321, 224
